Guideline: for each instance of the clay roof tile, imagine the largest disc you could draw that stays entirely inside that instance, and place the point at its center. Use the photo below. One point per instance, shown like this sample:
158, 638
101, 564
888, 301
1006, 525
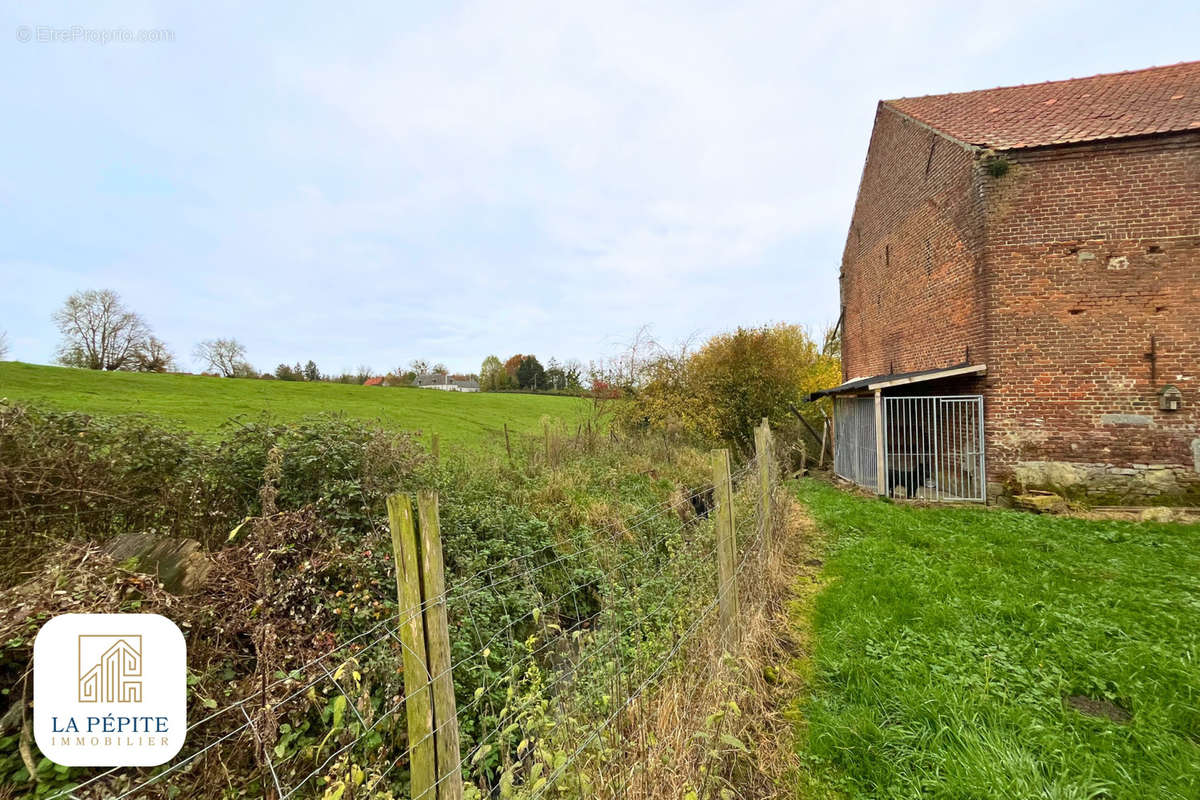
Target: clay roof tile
1137, 103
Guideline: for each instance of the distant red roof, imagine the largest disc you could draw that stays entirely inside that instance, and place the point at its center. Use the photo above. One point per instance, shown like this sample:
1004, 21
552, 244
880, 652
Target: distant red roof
1146, 101
373, 382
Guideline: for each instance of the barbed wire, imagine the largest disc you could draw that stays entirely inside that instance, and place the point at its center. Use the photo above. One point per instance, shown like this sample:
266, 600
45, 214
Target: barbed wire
35, 512
563, 674
529, 656
484, 647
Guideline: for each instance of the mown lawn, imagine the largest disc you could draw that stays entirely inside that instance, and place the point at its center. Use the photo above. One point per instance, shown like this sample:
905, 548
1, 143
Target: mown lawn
949, 642
203, 405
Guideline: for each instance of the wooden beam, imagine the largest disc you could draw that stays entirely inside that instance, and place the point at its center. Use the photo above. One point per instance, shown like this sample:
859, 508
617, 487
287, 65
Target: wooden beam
800, 417
824, 432
763, 450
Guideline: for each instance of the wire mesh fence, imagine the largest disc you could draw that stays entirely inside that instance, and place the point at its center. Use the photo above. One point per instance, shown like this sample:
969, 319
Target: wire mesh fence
547, 701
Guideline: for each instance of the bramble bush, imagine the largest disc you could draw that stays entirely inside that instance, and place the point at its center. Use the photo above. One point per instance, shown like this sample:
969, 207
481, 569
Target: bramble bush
69, 475
545, 569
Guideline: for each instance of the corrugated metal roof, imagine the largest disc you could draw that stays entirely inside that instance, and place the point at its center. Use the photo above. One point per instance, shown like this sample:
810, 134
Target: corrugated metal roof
899, 379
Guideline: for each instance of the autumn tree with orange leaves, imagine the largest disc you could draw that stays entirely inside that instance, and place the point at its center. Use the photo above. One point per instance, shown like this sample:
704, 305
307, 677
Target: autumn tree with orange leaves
727, 386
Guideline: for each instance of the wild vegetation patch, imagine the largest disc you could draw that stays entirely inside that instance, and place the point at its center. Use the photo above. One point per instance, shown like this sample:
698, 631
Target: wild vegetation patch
722, 390
71, 476
572, 577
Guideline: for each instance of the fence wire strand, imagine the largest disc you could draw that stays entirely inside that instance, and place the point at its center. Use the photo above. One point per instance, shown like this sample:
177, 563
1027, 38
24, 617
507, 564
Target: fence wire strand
388, 629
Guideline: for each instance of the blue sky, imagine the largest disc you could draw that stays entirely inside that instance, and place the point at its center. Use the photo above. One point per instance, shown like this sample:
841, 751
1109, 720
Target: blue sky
400, 180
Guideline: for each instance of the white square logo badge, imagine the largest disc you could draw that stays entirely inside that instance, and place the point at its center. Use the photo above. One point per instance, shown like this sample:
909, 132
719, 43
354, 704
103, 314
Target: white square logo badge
109, 690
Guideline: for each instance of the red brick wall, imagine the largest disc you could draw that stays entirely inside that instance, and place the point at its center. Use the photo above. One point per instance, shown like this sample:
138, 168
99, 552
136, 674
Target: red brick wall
1091, 251
1056, 275
910, 271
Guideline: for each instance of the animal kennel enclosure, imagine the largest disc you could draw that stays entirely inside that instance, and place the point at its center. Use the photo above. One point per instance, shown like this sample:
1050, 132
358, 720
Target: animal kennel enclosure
929, 448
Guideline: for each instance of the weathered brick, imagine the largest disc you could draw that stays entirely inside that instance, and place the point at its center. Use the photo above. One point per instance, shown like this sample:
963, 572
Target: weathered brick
1058, 276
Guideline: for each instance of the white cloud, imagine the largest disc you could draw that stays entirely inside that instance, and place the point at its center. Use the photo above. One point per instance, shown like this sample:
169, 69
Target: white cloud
486, 177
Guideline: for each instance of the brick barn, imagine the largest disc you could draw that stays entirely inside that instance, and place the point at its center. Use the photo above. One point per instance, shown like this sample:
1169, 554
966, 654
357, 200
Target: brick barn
1020, 294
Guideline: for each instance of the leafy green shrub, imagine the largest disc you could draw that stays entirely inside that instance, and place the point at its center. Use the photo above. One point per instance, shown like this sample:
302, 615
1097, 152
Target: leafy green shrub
69, 475
343, 466
564, 569
724, 389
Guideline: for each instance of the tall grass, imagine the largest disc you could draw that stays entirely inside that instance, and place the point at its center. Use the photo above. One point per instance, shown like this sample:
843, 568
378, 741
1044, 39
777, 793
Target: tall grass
969, 653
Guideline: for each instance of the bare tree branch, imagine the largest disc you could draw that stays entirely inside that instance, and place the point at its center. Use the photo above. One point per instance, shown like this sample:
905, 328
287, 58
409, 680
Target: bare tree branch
154, 356
225, 356
99, 332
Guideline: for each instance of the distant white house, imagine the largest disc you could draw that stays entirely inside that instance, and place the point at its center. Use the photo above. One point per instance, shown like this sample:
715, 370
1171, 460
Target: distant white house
446, 383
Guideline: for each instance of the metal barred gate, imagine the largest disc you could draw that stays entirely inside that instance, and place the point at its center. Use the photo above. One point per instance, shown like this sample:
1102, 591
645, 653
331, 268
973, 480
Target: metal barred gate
854, 453
932, 447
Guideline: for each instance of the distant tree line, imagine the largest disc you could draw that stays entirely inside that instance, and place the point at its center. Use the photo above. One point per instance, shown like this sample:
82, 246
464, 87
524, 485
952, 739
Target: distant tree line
525, 372
100, 332
311, 372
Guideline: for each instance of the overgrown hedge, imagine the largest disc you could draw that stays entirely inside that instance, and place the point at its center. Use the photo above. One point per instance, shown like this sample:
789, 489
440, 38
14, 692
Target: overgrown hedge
314, 571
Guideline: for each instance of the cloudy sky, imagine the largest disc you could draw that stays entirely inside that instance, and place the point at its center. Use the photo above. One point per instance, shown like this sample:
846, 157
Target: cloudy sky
372, 185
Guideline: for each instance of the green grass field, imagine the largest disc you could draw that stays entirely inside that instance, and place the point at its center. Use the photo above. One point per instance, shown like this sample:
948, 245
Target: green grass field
203, 405
968, 653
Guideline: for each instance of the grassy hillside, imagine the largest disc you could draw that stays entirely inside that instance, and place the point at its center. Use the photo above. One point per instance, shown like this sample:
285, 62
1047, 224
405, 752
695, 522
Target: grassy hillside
194, 403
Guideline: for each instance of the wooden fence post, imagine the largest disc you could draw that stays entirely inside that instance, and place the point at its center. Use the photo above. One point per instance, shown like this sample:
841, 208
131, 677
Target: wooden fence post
726, 553
437, 637
417, 695
762, 449
507, 443
772, 456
